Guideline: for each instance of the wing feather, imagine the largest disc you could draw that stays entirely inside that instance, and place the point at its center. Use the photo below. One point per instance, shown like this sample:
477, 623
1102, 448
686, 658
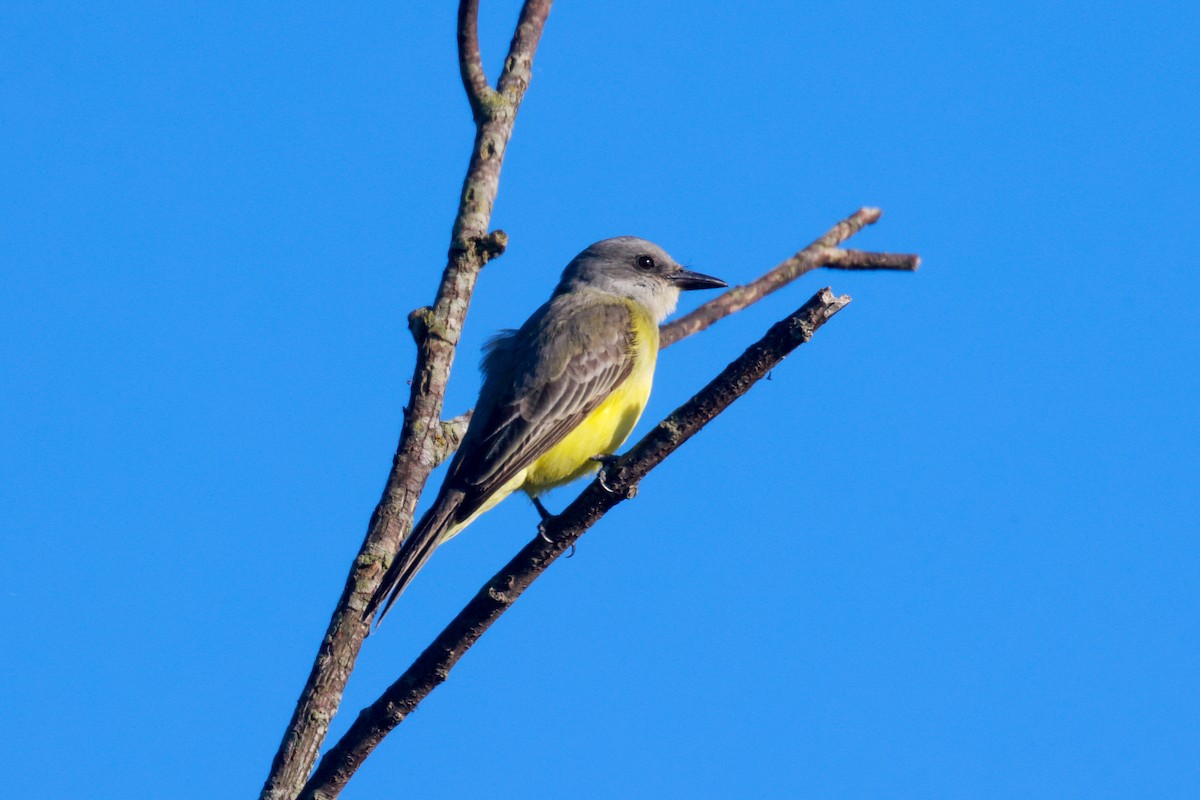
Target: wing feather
540, 383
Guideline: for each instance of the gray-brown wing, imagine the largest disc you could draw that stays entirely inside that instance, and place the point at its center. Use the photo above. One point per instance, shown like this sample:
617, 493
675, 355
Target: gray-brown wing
541, 383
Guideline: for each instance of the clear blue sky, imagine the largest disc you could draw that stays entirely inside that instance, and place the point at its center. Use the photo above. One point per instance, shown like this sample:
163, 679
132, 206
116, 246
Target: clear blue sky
950, 550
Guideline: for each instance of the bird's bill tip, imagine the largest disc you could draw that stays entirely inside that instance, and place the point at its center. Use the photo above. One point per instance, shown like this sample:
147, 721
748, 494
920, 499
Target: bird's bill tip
685, 279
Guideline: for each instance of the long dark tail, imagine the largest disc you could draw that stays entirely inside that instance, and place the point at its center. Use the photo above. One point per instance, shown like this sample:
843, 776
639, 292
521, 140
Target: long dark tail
415, 550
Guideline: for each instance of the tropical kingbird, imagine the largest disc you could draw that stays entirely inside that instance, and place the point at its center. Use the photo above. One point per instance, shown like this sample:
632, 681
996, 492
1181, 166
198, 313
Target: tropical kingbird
564, 389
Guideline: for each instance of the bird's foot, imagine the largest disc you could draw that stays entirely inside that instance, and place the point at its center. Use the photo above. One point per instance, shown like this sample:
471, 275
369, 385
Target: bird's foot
606, 460
546, 515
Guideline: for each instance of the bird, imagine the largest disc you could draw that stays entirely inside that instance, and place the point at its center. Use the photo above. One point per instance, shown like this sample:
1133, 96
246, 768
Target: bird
559, 394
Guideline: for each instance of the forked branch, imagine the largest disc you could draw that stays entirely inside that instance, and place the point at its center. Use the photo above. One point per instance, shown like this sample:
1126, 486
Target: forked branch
424, 439
821, 253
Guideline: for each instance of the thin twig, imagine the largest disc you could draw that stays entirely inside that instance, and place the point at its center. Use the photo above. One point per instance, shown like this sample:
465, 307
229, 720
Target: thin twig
618, 481
820, 253
470, 63
836, 258
436, 331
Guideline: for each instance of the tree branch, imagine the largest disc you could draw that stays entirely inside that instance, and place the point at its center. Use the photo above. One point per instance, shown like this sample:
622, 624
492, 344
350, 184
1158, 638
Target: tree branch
617, 482
836, 258
470, 63
821, 253
437, 331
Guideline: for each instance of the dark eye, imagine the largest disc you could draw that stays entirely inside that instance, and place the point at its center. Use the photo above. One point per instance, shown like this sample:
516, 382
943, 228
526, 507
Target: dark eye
645, 262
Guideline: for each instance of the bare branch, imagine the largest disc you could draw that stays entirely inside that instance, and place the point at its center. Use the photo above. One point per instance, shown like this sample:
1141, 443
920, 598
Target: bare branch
618, 481
436, 330
822, 252
837, 258
470, 63
518, 66
451, 434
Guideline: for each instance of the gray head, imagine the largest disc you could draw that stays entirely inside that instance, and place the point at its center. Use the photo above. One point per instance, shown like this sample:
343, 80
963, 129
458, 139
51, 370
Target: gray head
634, 268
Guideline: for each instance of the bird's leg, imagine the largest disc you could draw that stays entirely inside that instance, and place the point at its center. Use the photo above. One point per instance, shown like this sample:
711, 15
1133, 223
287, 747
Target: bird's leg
605, 460
541, 509
545, 515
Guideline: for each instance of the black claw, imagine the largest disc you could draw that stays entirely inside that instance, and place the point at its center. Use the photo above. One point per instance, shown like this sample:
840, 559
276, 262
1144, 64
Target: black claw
606, 461
545, 515
572, 553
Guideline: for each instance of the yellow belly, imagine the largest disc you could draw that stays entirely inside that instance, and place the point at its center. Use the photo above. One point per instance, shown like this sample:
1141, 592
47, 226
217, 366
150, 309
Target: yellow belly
604, 430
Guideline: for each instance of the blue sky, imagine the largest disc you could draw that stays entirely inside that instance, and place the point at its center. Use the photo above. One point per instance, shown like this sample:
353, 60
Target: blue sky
949, 550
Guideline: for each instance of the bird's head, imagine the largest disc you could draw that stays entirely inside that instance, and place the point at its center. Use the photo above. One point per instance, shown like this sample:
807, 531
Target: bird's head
637, 269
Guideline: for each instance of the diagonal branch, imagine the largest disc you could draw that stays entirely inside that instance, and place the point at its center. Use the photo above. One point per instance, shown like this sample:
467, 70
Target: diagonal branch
821, 253
423, 442
618, 481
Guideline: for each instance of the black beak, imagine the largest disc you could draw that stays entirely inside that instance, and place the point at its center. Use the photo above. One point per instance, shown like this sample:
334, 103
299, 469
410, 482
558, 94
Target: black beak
685, 279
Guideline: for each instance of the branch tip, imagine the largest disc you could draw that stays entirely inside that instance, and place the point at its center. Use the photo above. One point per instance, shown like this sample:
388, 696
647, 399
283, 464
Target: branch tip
837, 258
824, 251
